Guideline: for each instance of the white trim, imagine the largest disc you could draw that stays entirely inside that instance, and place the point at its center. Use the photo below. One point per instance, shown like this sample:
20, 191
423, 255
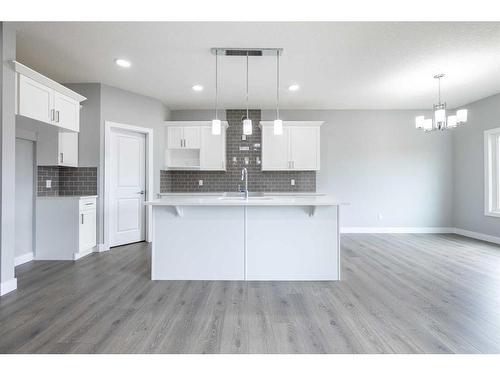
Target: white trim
21, 259
100, 248
30, 73
397, 230
478, 236
82, 254
8, 286
491, 161
148, 132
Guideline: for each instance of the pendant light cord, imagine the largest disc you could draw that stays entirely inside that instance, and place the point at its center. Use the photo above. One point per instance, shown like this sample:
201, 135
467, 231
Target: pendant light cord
216, 82
277, 84
247, 84
439, 90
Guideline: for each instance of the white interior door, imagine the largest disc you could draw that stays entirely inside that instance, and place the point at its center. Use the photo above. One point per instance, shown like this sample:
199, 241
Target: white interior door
127, 187
25, 191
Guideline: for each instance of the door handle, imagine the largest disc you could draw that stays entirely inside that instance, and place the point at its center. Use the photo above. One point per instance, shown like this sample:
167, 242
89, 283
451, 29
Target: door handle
141, 192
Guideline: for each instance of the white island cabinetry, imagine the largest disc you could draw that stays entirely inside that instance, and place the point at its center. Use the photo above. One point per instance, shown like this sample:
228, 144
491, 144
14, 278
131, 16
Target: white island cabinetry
267, 237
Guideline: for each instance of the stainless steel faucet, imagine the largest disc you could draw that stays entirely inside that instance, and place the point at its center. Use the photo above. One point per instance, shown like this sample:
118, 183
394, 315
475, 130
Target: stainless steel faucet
244, 176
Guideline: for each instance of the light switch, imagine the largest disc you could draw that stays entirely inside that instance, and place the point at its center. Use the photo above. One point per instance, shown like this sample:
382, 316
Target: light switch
292, 182
48, 184
200, 182
247, 160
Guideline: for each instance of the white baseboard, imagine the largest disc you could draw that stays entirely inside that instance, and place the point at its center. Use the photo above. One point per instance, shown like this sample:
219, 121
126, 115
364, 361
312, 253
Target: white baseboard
101, 247
397, 230
21, 259
82, 254
478, 236
8, 286
462, 232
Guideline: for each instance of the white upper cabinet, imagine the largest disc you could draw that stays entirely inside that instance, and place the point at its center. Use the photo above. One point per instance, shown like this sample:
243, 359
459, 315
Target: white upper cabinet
304, 147
275, 150
298, 148
192, 137
66, 112
68, 149
43, 99
175, 137
191, 146
179, 137
36, 100
213, 150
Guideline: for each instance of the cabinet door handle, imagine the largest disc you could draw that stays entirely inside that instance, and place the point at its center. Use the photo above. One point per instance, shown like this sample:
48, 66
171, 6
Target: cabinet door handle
52, 114
181, 142
57, 116
62, 157
82, 218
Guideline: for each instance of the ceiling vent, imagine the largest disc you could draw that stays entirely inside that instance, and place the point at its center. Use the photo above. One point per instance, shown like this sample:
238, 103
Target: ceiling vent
247, 51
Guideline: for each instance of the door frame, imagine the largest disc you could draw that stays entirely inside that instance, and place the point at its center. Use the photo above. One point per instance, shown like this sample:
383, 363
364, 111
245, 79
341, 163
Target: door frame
31, 136
109, 126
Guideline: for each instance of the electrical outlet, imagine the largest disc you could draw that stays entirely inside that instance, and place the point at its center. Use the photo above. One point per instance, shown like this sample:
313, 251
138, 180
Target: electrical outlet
200, 182
243, 137
247, 160
292, 182
48, 184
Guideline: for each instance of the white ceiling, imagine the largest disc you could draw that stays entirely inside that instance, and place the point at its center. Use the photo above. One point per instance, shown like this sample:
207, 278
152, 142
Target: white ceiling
360, 65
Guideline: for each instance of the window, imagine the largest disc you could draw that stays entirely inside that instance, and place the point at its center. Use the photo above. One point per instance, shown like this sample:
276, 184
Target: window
492, 172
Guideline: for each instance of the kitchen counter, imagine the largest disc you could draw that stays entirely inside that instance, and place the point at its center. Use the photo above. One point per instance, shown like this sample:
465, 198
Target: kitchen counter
223, 236
67, 197
236, 199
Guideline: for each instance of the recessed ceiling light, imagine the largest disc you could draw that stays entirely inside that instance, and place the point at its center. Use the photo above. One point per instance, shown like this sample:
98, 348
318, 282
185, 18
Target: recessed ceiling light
198, 88
123, 63
293, 87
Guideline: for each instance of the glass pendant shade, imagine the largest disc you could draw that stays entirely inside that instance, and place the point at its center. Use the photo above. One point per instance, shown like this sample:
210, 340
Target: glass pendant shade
440, 115
247, 127
278, 127
428, 124
452, 121
216, 127
461, 115
419, 122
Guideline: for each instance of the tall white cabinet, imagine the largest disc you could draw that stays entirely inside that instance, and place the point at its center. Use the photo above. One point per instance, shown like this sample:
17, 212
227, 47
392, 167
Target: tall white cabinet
297, 149
192, 146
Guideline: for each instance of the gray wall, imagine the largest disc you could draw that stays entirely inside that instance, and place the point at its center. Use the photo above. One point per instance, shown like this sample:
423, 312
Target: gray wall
106, 103
468, 142
380, 164
25, 193
7, 151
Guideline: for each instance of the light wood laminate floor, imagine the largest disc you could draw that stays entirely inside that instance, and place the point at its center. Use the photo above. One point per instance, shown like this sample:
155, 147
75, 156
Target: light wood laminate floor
404, 293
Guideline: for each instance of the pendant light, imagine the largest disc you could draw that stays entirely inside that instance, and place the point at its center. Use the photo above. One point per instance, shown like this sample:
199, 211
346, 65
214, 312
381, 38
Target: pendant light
216, 123
247, 123
278, 124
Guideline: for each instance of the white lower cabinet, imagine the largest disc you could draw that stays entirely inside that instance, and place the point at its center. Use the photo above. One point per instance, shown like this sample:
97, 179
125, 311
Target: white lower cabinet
65, 227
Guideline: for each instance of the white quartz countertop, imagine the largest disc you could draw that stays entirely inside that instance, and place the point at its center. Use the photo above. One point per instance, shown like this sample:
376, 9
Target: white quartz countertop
67, 197
254, 199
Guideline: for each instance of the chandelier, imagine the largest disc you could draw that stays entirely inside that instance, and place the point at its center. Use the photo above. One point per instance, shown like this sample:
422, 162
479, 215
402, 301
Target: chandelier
440, 121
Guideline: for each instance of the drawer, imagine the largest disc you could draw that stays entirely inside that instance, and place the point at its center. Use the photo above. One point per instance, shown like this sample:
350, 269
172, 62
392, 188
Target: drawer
87, 204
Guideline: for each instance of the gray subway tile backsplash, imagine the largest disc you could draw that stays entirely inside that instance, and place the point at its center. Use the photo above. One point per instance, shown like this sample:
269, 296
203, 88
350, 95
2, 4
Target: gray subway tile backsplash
66, 181
217, 181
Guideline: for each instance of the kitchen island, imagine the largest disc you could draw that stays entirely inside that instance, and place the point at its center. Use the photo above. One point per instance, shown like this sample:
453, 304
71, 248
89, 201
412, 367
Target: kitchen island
229, 237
